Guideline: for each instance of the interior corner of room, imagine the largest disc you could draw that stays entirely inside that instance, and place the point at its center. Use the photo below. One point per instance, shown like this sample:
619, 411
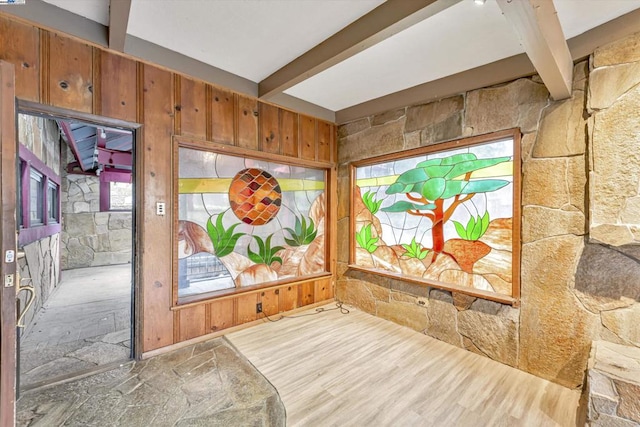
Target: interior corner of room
415, 213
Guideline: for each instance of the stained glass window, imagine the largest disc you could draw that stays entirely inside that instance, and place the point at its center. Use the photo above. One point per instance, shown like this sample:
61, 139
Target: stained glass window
443, 215
245, 222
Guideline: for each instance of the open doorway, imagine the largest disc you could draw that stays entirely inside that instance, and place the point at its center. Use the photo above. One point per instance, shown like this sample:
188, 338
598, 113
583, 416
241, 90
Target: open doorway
76, 220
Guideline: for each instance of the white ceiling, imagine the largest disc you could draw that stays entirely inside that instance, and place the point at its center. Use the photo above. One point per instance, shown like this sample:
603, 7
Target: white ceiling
255, 38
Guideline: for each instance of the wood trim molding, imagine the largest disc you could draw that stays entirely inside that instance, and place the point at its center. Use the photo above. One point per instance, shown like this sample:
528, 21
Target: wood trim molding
386, 20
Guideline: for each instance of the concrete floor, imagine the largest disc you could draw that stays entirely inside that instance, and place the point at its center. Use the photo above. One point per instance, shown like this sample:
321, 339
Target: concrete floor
85, 323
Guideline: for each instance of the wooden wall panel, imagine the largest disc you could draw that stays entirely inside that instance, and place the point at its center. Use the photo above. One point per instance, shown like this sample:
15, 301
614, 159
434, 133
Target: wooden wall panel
324, 141
307, 139
247, 124
69, 76
156, 183
289, 133
270, 301
288, 298
306, 292
191, 322
20, 46
221, 314
246, 308
118, 96
269, 118
191, 108
323, 290
222, 115
63, 72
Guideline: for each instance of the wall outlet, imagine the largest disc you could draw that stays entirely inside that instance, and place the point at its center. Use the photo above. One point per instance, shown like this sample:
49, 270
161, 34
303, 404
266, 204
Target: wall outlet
259, 307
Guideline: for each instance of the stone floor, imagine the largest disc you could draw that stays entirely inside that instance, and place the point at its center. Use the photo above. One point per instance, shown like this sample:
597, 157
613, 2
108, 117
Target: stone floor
206, 384
84, 324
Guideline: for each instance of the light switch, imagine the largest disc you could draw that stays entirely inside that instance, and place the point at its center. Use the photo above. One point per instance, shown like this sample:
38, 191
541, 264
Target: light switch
160, 208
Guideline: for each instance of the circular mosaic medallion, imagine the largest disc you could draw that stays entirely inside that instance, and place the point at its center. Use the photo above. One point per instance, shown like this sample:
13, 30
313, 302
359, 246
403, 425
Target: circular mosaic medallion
255, 196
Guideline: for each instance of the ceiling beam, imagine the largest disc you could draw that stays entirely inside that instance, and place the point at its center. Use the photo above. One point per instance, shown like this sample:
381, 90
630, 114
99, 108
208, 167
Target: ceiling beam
391, 17
501, 71
537, 26
118, 23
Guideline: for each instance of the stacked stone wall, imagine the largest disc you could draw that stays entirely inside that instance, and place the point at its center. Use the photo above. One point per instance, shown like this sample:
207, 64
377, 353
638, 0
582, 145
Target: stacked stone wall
91, 238
566, 302
40, 262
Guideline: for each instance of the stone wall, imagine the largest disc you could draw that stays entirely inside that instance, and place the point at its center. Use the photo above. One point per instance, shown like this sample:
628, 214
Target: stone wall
612, 395
91, 238
39, 261
565, 301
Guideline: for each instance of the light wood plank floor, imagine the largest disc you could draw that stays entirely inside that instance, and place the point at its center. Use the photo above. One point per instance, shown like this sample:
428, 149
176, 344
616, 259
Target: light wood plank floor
359, 370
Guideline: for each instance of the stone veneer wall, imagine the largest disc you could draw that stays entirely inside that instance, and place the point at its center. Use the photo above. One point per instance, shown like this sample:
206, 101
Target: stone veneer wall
39, 261
91, 238
572, 292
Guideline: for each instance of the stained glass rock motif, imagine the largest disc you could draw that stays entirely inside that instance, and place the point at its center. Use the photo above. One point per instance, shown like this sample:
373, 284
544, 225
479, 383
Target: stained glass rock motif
255, 196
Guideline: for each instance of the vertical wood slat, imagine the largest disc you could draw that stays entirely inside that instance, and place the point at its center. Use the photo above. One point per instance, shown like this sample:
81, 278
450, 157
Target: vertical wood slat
44, 45
192, 107
306, 293
307, 139
288, 298
270, 301
323, 290
247, 123
155, 247
222, 115
70, 74
269, 119
8, 240
118, 97
191, 322
221, 315
20, 46
324, 141
289, 133
246, 308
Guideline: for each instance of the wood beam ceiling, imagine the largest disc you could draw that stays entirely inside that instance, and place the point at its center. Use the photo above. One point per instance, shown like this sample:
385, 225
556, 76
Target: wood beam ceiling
497, 72
118, 22
388, 19
538, 28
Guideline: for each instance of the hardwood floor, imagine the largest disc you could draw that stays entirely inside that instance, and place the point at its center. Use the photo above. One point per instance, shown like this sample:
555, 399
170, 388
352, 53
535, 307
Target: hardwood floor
359, 370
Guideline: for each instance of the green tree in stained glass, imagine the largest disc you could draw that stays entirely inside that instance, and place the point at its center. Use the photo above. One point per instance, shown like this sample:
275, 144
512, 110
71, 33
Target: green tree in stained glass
433, 181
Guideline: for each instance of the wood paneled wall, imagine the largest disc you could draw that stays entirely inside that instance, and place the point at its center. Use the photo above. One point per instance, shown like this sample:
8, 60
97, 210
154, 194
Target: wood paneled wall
60, 71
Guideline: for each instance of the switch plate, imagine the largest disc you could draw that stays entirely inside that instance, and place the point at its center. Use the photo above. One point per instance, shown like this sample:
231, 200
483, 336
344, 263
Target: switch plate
8, 280
160, 208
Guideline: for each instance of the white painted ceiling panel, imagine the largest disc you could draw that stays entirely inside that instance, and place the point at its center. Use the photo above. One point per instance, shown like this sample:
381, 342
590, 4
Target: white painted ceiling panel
461, 37
579, 16
96, 10
254, 38
250, 38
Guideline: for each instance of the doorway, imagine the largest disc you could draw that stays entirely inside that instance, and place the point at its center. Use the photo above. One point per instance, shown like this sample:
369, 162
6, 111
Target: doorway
76, 244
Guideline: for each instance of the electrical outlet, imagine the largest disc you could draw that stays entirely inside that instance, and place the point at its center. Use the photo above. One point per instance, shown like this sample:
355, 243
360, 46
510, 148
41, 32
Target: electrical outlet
259, 307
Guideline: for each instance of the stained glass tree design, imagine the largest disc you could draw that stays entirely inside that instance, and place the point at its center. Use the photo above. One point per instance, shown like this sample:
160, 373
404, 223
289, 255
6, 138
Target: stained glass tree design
434, 181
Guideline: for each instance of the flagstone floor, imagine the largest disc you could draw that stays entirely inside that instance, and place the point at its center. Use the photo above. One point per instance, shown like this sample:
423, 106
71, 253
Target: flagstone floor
85, 323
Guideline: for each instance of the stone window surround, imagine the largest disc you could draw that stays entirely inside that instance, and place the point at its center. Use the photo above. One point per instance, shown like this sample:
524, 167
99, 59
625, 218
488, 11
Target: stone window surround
27, 233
